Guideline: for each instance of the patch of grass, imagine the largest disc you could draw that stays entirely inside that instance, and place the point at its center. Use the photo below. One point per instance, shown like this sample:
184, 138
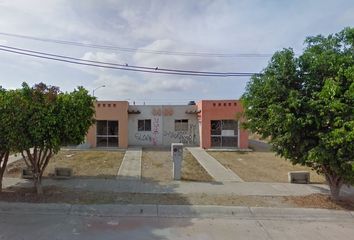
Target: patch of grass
261, 166
192, 170
53, 194
103, 164
156, 165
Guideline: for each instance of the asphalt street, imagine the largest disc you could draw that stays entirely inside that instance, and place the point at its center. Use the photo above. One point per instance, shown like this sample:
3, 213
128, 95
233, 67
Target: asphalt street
89, 222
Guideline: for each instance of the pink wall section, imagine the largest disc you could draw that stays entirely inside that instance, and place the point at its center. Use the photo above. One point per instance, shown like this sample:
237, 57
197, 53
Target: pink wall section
111, 110
219, 110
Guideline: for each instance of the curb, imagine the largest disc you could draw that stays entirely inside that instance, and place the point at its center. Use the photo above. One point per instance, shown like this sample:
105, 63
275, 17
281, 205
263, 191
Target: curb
178, 211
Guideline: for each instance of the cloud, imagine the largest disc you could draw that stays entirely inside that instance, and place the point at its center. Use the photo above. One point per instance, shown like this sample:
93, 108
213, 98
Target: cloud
125, 86
183, 26
173, 61
3, 41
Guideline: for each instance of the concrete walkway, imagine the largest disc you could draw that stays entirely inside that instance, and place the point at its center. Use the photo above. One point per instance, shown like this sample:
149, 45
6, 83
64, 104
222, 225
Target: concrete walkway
180, 187
130, 168
213, 167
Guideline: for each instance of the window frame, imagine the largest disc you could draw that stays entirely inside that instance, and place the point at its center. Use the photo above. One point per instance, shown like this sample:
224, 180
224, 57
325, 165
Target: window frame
146, 125
108, 134
218, 137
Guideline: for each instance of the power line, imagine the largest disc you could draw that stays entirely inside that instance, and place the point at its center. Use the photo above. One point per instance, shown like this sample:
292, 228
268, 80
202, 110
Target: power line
141, 50
78, 61
121, 65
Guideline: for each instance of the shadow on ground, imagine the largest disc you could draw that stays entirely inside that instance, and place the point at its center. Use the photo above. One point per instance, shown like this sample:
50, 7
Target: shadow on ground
88, 224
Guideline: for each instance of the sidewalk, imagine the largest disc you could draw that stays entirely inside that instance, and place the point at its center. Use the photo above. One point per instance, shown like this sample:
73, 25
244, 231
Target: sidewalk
180, 211
181, 187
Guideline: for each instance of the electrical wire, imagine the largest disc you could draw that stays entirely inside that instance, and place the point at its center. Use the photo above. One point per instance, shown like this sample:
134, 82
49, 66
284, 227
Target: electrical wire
78, 61
141, 50
121, 65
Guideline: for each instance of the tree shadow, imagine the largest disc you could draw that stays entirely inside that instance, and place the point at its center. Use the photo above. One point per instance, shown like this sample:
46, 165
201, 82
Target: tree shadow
104, 201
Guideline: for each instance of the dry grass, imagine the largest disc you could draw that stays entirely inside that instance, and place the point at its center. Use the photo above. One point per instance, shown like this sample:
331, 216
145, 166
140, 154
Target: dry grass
320, 201
157, 166
261, 166
53, 194
88, 163
192, 170
103, 164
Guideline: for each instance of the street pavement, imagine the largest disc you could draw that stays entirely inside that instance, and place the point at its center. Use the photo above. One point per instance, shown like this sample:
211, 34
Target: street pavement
63, 221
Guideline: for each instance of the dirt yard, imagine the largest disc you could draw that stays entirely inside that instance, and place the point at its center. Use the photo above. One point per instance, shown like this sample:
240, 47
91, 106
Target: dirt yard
261, 165
157, 166
102, 164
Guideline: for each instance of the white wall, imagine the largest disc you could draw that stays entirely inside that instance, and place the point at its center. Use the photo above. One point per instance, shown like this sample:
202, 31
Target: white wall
162, 125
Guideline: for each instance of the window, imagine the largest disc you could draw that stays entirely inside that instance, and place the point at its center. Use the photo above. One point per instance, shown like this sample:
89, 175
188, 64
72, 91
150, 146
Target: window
224, 133
107, 133
144, 125
181, 125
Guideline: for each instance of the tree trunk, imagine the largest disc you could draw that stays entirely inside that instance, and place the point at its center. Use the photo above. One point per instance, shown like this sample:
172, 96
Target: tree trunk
3, 162
335, 184
335, 190
38, 161
38, 185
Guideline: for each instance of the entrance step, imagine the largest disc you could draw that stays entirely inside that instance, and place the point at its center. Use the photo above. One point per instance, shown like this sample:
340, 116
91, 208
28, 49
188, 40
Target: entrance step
213, 167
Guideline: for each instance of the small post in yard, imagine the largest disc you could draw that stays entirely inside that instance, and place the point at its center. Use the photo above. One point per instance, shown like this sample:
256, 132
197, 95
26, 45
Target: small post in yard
177, 157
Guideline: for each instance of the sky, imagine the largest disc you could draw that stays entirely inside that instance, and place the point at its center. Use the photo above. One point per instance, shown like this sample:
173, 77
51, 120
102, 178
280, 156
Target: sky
226, 27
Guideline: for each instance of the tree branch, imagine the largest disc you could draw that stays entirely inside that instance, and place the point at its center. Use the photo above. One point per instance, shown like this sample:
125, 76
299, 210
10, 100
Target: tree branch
44, 156
26, 160
45, 163
3, 167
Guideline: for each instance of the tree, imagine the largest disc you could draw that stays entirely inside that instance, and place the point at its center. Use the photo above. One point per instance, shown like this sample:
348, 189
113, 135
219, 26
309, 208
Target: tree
305, 105
4, 145
51, 119
9, 126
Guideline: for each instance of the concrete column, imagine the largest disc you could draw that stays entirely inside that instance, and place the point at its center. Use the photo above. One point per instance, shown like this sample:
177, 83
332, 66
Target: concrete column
177, 157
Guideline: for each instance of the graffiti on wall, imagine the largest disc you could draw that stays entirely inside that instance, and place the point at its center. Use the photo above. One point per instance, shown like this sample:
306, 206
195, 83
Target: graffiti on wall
182, 137
185, 137
155, 130
143, 137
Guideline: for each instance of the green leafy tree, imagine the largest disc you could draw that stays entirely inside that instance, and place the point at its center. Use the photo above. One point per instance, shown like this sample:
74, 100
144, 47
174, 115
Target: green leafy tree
10, 119
305, 105
51, 119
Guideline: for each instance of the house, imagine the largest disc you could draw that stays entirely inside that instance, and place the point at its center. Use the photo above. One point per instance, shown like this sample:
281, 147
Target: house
208, 124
